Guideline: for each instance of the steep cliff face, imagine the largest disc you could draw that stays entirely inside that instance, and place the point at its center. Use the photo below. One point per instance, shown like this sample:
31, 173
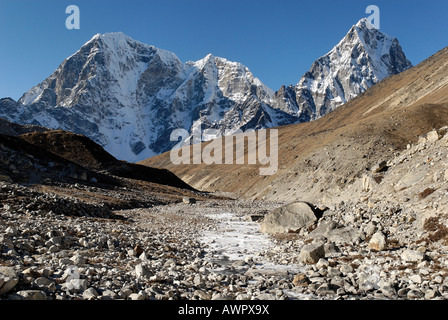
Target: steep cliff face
129, 97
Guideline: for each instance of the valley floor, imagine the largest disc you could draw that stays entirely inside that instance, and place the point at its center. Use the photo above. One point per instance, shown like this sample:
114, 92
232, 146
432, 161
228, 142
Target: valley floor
211, 249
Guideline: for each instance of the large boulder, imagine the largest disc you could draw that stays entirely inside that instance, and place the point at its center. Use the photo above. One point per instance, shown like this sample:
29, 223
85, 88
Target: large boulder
291, 217
432, 136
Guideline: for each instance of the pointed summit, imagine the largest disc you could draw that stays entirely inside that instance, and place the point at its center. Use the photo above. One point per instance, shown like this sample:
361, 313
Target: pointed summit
364, 23
364, 57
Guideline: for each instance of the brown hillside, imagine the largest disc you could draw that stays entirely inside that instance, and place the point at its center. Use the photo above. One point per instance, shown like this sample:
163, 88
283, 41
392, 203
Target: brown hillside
318, 159
47, 169
85, 152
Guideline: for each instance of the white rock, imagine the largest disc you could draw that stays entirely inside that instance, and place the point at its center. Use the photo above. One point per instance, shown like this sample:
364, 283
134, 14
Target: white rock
248, 260
378, 241
43, 282
137, 296
294, 216
198, 281
412, 256
322, 263
430, 294
438, 279
345, 269
370, 228
78, 260
109, 294
142, 270
78, 285
416, 278
432, 136
155, 278
11, 231
368, 183
83, 242
143, 257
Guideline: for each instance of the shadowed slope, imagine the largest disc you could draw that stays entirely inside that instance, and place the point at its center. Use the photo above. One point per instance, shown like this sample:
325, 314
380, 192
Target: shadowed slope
84, 152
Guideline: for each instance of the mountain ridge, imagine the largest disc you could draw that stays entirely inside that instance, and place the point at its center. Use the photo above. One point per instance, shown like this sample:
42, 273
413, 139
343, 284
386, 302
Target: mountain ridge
318, 160
364, 57
129, 97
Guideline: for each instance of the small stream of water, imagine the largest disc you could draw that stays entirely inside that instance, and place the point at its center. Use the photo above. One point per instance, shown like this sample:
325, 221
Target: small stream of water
237, 239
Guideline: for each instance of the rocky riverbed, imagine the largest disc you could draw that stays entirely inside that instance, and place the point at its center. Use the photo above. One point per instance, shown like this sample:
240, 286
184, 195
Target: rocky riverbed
211, 250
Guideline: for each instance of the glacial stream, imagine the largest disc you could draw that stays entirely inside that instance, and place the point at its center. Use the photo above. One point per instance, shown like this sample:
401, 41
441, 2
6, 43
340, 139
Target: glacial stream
236, 241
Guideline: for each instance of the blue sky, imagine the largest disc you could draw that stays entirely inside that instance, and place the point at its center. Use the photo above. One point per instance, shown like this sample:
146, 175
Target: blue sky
277, 40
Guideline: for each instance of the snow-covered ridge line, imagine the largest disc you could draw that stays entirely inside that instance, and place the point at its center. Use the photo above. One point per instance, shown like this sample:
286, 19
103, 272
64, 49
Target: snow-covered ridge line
129, 96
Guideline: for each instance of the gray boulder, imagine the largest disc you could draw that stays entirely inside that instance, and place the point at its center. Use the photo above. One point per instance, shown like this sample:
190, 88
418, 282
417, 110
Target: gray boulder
8, 279
412, 256
291, 217
311, 253
142, 271
329, 231
432, 136
409, 180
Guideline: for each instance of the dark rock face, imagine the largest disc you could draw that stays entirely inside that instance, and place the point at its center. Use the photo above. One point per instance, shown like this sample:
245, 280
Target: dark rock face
138, 147
13, 129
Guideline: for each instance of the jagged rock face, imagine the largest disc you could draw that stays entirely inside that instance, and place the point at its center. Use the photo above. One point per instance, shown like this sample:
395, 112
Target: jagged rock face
363, 58
129, 97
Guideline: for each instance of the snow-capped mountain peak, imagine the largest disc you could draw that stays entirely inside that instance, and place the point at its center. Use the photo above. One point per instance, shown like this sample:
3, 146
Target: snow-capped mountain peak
129, 97
364, 57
